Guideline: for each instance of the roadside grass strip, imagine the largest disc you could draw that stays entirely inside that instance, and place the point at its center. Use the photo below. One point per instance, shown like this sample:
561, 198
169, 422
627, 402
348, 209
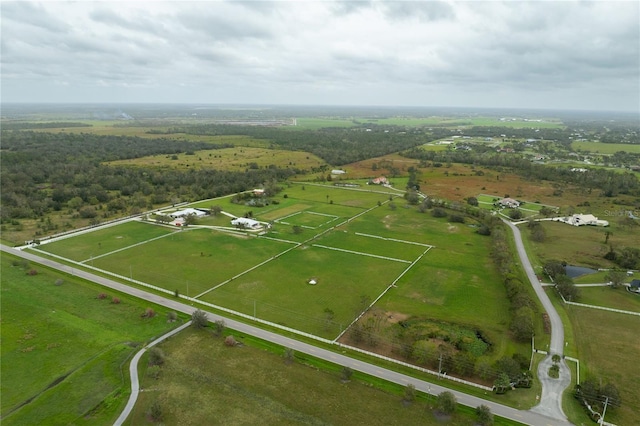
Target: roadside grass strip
360, 253
393, 239
125, 248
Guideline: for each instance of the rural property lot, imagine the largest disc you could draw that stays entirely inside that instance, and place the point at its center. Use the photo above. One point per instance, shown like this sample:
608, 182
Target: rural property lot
352, 243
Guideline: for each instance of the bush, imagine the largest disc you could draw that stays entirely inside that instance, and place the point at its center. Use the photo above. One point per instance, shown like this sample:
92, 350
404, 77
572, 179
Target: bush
456, 218
59, 282
199, 319
32, 272
172, 316
156, 356
447, 403
484, 415
438, 212
148, 313
346, 374
155, 411
102, 296
230, 341
115, 300
154, 372
218, 328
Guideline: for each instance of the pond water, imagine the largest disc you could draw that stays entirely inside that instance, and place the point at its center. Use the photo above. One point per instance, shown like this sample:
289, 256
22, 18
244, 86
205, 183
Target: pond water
576, 271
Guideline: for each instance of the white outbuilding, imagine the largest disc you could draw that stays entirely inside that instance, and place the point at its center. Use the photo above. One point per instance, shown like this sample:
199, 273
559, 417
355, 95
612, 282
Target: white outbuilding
246, 223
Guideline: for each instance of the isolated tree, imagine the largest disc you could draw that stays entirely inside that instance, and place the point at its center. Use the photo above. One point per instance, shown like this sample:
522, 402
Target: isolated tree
172, 316
538, 234
409, 393
218, 328
567, 288
297, 229
446, 403
346, 374
484, 415
515, 214
438, 212
190, 219
616, 277
199, 319
472, 201
288, 355
412, 197
230, 341
215, 210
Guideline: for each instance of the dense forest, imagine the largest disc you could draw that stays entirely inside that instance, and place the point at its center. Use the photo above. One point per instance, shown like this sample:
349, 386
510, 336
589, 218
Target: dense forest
337, 146
44, 172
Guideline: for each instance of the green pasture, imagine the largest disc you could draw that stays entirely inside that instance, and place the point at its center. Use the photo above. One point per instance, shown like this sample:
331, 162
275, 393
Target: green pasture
313, 123
64, 332
191, 261
251, 385
578, 245
346, 240
283, 295
608, 346
232, 159
618, 298
96, 243
604, 148
310, 219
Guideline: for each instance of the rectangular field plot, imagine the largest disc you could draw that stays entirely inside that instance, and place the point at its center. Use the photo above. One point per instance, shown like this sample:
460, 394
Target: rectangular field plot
308, 219
92, 244
191, 261
280, 291
371, 245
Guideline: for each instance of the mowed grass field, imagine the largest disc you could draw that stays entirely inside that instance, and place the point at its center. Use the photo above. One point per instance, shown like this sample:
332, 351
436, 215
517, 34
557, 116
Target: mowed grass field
605, 148
250, 385
83, 247
618, 298
608, 346
65, 350
231, 159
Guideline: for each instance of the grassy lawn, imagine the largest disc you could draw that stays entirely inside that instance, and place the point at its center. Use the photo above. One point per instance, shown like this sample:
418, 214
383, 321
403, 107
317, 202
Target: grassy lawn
106, 240
249, 385
191, 261
618, 298
605, 148
66, 350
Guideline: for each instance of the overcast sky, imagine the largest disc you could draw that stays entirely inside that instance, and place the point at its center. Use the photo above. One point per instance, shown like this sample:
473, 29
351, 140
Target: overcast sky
541, 54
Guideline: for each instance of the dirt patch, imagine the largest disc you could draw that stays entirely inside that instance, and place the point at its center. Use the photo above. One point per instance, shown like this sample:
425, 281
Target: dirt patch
395, 317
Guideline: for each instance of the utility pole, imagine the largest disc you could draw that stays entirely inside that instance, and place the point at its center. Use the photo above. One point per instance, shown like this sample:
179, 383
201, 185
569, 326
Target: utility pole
440, 366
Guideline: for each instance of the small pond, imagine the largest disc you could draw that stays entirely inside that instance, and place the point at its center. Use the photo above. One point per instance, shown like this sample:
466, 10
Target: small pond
576, 271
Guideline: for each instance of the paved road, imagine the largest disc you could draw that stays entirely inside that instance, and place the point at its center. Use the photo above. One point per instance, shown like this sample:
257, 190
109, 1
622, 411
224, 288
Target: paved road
526, 417
133, 373
551, 400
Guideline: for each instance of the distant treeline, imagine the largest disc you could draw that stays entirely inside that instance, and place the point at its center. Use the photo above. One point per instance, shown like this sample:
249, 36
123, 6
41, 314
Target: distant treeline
610, 182
45, 172
26, 125
337, 146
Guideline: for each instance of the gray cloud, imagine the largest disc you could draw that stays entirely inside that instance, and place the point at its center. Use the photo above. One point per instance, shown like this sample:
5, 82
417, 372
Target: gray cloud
574, 54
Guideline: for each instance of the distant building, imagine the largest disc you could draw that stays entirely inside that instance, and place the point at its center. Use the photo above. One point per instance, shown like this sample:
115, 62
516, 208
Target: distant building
246, 223
337, 172
187, 212
509, 202
379, 181
583, 219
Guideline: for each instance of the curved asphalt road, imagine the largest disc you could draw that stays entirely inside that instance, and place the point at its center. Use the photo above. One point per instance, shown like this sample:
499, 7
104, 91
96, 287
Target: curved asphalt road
526, 417
551, 401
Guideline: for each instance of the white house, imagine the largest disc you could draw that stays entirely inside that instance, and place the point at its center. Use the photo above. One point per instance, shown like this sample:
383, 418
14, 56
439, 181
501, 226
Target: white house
509, 202
337, 172
583, 219
187, 212
246, 222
